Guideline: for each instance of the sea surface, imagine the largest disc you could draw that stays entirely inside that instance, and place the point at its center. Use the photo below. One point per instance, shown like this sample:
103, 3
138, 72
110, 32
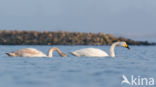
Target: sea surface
71, 71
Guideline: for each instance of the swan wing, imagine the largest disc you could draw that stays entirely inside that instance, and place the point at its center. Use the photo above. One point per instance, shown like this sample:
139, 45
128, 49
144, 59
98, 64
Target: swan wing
29, 52
90, 52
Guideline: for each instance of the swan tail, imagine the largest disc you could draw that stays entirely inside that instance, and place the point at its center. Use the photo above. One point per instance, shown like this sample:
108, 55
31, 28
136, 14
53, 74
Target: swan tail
74, 54
10, 54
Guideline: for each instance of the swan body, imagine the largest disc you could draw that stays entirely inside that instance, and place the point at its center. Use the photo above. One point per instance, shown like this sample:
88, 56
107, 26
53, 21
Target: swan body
90, 52
94, 52
31, 52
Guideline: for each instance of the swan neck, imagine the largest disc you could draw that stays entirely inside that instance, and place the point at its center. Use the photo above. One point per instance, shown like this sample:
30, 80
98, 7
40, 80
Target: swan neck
112, 53
50, 53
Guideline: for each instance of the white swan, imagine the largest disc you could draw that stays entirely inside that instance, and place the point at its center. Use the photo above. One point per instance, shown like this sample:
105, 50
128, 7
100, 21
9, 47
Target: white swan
31, 52
93, 52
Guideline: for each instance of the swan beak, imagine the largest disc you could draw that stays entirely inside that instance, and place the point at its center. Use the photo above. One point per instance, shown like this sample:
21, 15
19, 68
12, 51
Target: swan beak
64, 55
127, 46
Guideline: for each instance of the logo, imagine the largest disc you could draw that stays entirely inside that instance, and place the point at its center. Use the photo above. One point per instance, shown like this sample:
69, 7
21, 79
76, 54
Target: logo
139, 81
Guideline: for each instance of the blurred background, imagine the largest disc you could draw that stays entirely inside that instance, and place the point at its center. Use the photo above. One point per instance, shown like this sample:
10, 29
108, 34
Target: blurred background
135, 19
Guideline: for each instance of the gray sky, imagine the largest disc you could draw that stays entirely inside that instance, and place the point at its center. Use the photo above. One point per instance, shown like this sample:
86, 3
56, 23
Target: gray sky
122, 17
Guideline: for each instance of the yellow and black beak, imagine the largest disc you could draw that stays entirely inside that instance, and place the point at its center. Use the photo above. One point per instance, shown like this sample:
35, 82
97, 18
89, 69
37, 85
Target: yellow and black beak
127, 46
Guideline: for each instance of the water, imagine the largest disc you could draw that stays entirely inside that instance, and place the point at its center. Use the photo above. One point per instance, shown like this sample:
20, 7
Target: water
76, 71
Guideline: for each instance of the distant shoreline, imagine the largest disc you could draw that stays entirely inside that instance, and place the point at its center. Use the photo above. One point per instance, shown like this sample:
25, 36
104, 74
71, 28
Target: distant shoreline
15, 37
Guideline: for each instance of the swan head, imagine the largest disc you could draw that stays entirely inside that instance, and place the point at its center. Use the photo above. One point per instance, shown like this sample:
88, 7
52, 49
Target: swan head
124, 44
63, 54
